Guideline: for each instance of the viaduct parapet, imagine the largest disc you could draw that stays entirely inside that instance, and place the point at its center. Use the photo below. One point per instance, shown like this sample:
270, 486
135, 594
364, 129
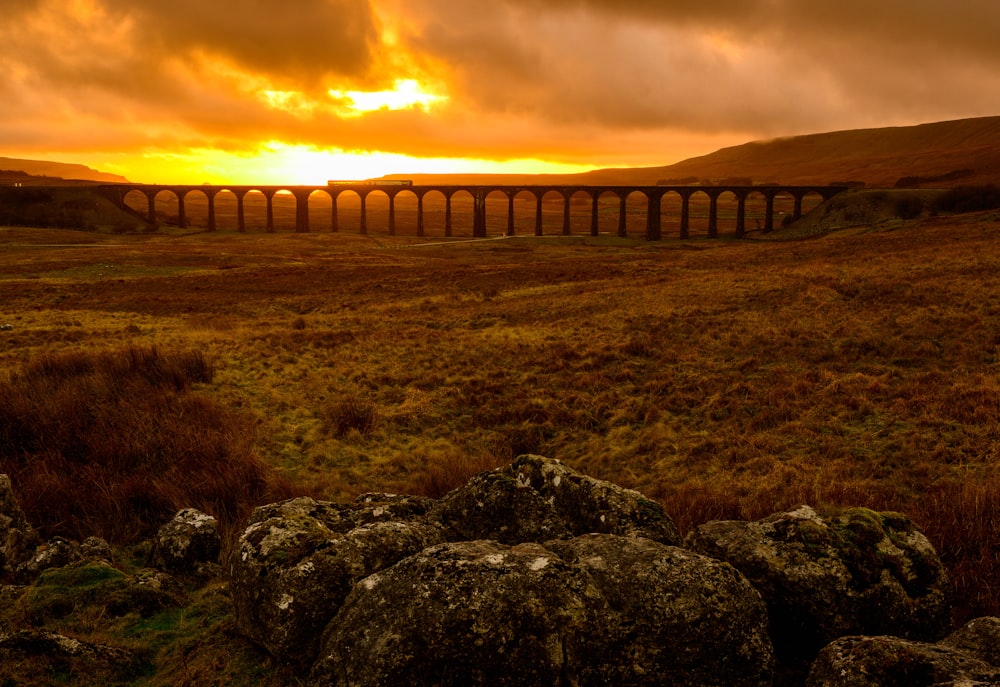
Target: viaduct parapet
653, 194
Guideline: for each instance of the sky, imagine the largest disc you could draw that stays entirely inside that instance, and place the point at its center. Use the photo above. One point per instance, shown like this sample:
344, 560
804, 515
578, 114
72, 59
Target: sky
302, 91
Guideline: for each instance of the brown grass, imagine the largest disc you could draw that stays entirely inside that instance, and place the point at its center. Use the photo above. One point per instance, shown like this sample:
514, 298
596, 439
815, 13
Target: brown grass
726, 378
113, 443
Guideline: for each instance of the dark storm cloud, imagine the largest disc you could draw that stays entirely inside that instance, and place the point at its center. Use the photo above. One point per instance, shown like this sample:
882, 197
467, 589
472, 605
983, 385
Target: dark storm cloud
762, 66
297, 42
562, 79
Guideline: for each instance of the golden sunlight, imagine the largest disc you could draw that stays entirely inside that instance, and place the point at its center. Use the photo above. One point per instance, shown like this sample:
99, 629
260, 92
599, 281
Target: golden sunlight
407, 93
276, 163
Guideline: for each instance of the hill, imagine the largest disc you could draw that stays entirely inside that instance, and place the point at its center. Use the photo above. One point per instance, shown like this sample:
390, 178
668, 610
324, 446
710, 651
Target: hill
942, 154
60, 171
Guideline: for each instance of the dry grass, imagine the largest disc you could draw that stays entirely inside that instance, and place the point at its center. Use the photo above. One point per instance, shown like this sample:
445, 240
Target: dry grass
726, 378
113, 443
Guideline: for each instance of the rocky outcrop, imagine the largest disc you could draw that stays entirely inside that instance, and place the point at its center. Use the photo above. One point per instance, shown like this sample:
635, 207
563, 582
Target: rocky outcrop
536, 499
297, 560
969, 657
37, 657
594, 610
187, 544
17, 537
860, 573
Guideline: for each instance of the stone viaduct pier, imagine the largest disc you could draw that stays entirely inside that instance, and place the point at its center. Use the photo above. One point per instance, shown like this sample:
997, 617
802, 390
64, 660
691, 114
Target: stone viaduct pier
654, 196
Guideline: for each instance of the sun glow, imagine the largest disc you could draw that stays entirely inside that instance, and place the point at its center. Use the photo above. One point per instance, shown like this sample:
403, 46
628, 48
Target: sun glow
407, 94
276, 163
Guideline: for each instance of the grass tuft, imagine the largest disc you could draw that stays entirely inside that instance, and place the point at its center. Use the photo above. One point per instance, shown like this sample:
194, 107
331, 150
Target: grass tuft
113, 443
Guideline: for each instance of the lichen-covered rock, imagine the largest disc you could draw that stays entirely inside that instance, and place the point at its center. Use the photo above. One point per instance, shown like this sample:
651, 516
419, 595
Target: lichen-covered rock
96, 549
37, 657
187, 543
860, 573
58, 552
297, 560
17, 537
673, 617
895, 662
596, 610
979, 637
536, 499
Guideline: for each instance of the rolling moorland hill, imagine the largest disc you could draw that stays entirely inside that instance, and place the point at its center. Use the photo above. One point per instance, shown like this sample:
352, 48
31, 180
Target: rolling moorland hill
53, 172
942, 154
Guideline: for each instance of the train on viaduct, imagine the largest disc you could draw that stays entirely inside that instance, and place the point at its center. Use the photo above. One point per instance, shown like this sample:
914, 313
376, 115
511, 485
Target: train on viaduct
479, 193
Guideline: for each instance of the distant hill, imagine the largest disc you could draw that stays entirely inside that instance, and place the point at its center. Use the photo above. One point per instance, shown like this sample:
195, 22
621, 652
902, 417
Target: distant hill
59, 170
943, 154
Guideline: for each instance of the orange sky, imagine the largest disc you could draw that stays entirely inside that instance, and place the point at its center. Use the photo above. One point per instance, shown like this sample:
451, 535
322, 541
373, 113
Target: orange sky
254, 91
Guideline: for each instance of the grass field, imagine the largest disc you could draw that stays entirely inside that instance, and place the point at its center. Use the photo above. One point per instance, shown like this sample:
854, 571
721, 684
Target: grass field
729, 379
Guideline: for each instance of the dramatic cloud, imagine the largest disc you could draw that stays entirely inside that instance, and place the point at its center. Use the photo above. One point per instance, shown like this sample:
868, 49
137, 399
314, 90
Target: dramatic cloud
590, 82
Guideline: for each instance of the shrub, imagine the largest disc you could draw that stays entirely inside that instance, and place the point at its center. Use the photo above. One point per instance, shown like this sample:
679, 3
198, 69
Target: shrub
349, 413
113, 443
909, 207
970, 199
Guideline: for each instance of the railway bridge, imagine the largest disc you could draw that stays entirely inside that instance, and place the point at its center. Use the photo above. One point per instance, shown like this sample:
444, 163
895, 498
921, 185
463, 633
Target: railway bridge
654, 196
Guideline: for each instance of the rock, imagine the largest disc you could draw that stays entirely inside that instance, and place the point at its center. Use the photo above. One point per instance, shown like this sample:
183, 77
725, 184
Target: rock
536, 499
56, 553
596, 610
896, 662
684, 618
297, 560
17, 537
979, 637
37, 657
860, 573
96, 549
186, 543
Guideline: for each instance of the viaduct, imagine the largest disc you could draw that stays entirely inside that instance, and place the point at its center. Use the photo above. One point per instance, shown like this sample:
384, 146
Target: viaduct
653, 194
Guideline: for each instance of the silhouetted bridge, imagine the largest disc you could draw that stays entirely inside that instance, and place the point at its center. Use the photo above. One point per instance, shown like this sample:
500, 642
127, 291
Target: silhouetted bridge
654, 196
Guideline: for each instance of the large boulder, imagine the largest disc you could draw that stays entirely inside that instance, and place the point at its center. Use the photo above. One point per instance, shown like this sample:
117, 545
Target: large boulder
297, 560
536, 499
671, 616
188, 543
595, 610
966, 658
861, 573
17, 537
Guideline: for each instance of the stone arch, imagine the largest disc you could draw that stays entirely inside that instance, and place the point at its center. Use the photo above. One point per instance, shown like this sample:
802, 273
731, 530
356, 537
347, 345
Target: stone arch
167, 206
227, 209
636, 213
140, 202
525, 211
255, 206
811, 199
579, 211
434, 213
196, 210
320, 202
499, 212
346, 211
460, 216
550, 211
406, 208
756, 213
284, 210
784, 208
727, 210
610, 211
671, 213
699, 213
